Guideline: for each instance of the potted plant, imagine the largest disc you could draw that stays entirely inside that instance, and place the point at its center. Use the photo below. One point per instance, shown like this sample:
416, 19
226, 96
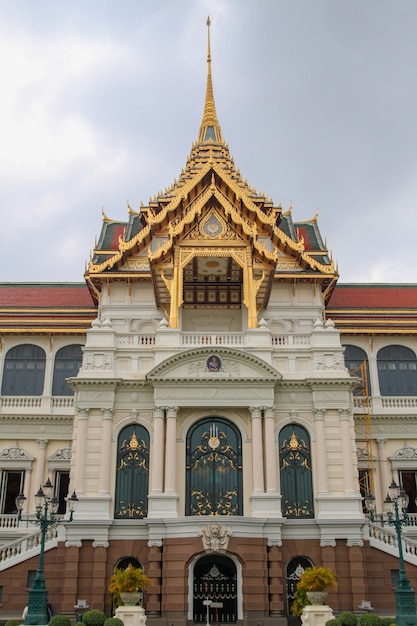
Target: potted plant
312, 587
126, 585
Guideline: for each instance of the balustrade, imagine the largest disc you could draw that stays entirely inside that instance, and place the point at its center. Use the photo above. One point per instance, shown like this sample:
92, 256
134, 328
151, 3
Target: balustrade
388, 537
22, 545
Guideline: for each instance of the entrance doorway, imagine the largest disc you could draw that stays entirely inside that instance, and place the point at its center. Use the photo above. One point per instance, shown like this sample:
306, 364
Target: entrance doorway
215, 580
294, 570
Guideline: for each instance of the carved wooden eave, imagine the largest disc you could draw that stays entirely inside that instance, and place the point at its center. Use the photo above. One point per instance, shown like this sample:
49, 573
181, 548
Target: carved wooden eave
170, 226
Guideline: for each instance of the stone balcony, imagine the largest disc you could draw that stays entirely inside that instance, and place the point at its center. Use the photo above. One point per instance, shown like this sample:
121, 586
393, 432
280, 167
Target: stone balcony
36, 405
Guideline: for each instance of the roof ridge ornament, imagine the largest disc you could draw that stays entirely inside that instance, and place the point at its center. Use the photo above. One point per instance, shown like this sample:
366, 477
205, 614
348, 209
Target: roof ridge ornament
210, 128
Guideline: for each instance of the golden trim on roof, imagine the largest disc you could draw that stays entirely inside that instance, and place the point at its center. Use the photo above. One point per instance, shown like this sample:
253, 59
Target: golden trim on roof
107, 219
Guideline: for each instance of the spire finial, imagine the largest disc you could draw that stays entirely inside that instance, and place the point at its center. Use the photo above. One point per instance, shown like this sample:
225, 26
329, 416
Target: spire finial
210, 127
208, 40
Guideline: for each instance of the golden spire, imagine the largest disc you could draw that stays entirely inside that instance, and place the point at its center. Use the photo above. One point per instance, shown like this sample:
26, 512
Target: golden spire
210, 127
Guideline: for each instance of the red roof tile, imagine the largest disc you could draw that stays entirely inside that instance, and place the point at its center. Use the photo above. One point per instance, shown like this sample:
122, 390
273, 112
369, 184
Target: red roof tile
45, 295
374, 297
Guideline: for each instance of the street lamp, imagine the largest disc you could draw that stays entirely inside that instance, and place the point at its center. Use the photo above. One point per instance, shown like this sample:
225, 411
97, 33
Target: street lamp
404, 595
46, 509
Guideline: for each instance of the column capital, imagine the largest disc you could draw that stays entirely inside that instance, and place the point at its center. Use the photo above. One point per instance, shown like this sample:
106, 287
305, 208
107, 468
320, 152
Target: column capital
274, 542
327, 543
107, 414
352, 543
158, 411
82, 413
255, 411
42, 443
100, 543
318, 415
269, 411
172, 411
344, 414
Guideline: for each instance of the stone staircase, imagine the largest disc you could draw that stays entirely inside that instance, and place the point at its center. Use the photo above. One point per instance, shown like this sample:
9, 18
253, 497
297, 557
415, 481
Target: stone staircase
384, 538
26, 547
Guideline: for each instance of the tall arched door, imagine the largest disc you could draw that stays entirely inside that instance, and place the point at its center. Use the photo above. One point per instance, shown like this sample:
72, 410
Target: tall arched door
295, 472
214, 468
132, 473
215, 580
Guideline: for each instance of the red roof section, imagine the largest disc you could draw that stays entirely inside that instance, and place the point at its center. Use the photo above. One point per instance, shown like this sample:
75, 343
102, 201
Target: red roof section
302, 232
373, 297
45, 295
119, 231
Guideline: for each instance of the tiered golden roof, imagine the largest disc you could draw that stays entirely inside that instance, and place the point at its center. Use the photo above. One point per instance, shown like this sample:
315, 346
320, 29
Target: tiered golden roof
209, 213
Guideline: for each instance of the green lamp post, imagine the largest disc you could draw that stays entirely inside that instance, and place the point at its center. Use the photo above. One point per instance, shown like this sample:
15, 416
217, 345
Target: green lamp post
405, 598
46, 509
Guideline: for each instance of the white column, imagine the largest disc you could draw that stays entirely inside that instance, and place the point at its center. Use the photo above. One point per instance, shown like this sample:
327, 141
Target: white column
321, 460
171, 449
347, 451
157, 454
385, 472
40, 466
271, 458
27, 489
106, 455
82, 424
373, 372
257, 450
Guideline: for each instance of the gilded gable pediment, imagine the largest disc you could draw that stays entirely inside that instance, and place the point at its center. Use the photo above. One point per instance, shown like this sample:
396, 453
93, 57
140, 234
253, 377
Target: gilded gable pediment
213, 227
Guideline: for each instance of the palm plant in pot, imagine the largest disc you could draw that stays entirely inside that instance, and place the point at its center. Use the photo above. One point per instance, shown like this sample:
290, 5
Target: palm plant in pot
312, 587
126, 585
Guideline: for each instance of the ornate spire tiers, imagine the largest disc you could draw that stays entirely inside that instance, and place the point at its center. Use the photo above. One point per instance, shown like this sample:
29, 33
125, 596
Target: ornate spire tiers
210, 128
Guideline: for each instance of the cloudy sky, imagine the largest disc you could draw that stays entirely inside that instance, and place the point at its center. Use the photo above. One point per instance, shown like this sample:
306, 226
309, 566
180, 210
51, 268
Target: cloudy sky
102, 99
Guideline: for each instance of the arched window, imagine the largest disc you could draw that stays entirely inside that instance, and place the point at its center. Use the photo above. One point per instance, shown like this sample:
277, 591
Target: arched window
354, 359
295, 472
214, 468
132, 473
126, 561
397, 371
24, 371
67, 363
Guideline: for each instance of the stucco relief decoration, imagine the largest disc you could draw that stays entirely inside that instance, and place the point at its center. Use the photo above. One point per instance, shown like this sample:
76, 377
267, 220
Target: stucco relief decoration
15, 454
213, 364
406, 452
243, 393
328, 361
362, 454
215, 537
97, 362
63, 454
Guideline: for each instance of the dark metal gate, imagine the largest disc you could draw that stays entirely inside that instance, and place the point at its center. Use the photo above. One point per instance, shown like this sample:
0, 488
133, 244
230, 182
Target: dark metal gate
294, 570
215, 579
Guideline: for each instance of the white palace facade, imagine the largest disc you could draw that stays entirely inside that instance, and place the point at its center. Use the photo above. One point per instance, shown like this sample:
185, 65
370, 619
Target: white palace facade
219, 403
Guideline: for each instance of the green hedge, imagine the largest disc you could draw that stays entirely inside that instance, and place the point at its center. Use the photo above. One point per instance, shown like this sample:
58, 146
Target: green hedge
113, 621
347, 618
59, 620
370, 619
94, 618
